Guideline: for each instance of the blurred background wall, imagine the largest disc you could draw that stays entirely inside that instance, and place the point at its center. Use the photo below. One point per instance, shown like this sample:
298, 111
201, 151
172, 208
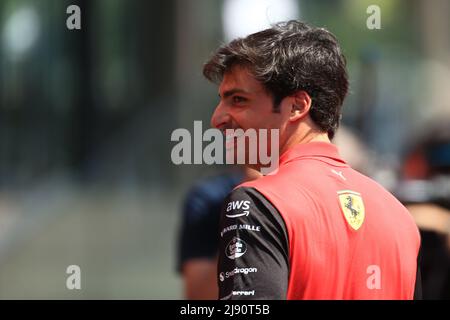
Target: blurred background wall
86, 117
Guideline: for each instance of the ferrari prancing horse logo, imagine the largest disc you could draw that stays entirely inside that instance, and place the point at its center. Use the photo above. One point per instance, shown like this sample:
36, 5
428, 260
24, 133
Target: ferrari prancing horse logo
352, 206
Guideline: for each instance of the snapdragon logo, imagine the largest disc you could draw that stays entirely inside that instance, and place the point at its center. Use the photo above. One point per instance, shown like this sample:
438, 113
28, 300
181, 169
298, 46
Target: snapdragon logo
226, 275
258, 147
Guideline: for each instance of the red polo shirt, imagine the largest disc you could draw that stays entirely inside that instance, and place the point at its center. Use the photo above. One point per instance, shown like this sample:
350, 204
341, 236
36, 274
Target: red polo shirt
347, 237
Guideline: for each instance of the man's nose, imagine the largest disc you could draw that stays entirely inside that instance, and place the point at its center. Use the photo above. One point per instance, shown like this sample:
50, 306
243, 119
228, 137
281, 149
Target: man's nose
220, 117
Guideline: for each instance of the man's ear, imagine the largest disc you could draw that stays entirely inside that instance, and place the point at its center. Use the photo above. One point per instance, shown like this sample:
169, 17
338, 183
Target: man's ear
301, 104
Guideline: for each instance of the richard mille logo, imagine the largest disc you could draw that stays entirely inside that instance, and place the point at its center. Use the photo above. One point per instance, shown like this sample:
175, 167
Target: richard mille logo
233, 227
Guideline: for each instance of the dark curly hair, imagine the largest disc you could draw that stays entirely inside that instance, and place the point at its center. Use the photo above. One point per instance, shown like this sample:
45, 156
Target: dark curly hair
289, 57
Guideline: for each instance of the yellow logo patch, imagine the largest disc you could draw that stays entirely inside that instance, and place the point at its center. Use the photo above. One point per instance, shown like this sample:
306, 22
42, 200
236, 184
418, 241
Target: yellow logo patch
352, 206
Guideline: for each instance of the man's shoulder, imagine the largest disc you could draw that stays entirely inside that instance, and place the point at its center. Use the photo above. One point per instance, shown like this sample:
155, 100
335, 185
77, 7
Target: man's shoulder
281, 178
278, 188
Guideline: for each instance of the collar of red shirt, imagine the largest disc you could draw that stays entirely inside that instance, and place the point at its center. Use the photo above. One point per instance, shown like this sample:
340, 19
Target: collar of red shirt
323, 151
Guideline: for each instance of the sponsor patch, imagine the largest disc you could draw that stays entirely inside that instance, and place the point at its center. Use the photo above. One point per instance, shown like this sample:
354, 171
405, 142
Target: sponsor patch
233, 227
225, 275
352, 207
243, 205
236, 248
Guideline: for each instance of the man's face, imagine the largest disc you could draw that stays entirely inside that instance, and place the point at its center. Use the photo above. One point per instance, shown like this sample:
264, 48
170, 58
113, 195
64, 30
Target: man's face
245, 104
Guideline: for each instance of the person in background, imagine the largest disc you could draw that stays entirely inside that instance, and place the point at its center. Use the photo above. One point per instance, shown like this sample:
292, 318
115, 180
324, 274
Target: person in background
425, 190
198, 237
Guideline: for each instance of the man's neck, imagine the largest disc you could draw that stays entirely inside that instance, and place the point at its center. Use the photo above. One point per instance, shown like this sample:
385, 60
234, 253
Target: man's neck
309, 136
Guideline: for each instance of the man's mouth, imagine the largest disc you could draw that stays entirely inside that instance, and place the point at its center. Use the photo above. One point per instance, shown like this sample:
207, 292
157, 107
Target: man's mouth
230, 136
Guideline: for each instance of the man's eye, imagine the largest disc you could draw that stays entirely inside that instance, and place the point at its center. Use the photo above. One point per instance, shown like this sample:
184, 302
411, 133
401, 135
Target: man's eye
238, 99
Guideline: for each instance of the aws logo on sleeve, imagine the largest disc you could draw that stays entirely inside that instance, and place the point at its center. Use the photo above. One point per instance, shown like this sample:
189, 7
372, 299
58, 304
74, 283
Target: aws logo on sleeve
238, 205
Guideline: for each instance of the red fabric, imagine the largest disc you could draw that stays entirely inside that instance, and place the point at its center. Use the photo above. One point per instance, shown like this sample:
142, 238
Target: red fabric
328, 258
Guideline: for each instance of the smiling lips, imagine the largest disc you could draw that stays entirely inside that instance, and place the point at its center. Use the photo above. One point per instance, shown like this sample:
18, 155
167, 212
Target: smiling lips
230, 135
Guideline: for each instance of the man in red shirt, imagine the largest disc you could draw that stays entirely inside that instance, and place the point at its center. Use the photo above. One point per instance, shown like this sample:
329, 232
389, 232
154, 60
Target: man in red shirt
315, 228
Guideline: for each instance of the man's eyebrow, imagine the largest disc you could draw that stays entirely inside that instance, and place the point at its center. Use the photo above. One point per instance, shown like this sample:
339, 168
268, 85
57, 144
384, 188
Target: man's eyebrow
230, 92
